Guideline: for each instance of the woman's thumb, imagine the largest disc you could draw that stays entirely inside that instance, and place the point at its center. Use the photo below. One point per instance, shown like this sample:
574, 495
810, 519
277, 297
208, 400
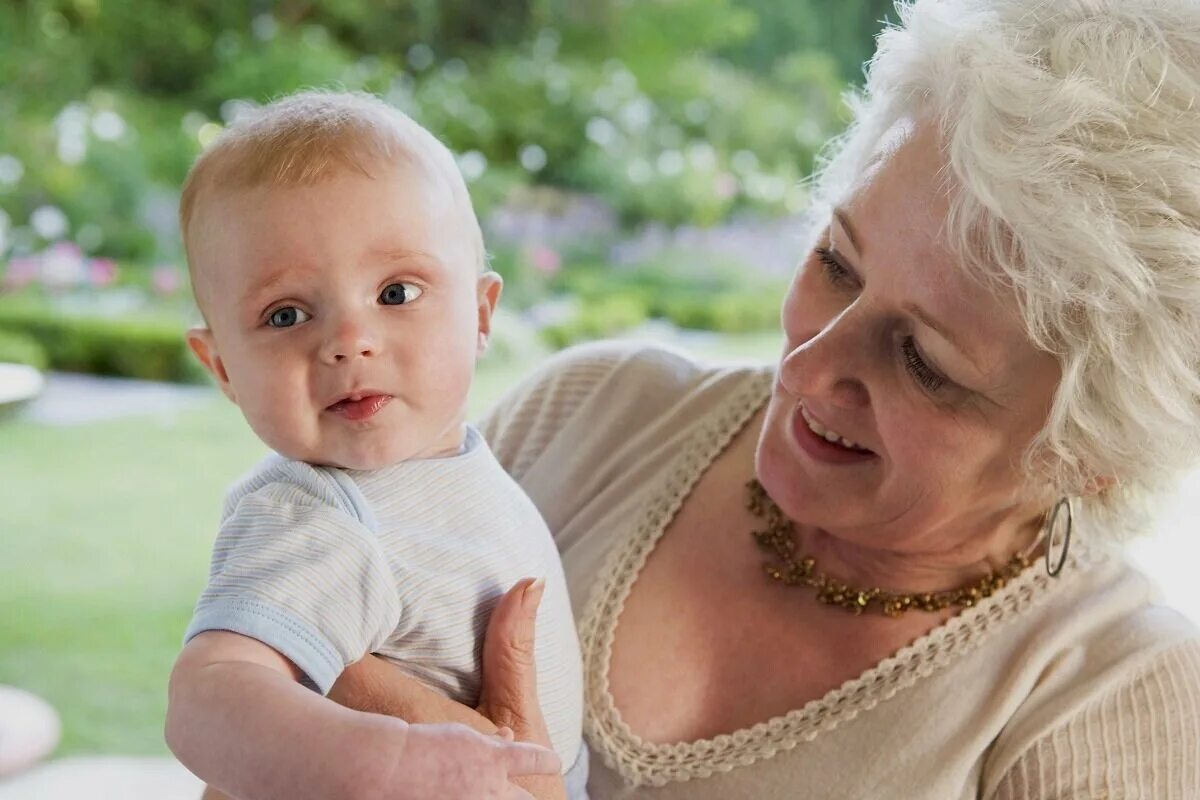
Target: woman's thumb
509, 693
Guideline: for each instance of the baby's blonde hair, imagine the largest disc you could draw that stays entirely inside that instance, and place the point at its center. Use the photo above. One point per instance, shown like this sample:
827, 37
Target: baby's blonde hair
305, 138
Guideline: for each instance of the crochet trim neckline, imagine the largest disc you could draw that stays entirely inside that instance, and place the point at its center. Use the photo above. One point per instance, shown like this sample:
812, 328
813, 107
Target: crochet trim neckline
643, 763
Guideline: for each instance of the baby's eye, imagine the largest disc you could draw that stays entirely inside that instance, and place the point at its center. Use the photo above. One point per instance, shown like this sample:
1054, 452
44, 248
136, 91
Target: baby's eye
287, 316
397, 294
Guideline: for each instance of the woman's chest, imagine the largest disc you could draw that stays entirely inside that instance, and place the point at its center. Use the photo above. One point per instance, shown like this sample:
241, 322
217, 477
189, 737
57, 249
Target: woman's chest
705, 643
687, 666
751, 711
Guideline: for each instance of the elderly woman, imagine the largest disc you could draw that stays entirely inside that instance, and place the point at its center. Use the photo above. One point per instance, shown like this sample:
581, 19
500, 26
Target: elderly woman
991, 367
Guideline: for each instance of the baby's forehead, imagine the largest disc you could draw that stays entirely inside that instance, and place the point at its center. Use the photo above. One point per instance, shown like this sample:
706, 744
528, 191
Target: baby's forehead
218, 203
225, 250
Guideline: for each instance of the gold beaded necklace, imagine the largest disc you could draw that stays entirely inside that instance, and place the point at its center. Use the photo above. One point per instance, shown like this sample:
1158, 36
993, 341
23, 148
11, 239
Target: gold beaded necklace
780, 539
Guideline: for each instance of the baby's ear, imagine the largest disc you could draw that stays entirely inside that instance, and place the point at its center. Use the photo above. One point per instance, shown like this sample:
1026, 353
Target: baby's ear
202, 343
487, 295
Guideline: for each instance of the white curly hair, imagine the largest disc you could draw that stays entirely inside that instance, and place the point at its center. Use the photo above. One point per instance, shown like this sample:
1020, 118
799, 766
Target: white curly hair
1070, 131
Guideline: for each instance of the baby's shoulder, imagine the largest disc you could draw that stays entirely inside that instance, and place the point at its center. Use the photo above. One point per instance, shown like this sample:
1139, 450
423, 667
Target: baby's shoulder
287, 484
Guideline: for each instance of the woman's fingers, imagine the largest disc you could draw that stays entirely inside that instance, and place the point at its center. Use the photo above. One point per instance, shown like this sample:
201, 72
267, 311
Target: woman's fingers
523, 758
442, 760
509, 693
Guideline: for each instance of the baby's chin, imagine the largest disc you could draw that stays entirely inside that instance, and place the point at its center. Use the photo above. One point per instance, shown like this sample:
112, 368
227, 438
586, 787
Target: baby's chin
382, 445
331, 455
365, 458
377, 459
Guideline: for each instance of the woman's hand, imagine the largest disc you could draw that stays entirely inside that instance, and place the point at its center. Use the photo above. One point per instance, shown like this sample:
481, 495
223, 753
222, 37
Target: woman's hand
508, 697
451, 760
509, 693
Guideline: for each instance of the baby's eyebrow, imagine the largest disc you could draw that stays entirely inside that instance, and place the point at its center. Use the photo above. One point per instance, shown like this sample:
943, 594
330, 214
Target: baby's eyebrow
405, 254
256, 293
269, 283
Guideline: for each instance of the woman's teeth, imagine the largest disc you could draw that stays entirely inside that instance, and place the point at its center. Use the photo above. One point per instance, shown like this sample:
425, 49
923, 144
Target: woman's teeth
828, 435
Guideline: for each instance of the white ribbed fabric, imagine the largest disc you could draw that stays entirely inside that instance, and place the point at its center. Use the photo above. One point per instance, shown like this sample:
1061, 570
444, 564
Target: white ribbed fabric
1078, 687
326, 565
1131, 742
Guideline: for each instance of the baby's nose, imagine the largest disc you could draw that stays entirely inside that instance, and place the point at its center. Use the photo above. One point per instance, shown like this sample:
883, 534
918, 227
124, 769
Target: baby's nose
351, 340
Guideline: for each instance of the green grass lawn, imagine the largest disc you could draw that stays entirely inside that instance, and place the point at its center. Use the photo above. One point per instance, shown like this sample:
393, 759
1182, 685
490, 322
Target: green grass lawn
105, 532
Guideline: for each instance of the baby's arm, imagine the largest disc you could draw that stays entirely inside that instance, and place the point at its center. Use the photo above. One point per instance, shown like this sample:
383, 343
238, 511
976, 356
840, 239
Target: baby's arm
238, 718
376, 686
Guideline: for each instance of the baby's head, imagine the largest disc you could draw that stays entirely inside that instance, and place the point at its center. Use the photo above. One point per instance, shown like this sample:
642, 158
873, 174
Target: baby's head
340, 270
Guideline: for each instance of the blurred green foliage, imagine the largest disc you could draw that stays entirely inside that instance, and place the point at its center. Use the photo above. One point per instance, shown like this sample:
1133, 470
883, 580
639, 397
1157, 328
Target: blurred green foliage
608, 301
21, 348
672, 110
139, 347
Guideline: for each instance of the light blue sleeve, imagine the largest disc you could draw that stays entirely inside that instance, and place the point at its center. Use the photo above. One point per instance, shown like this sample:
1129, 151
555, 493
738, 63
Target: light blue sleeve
301, 576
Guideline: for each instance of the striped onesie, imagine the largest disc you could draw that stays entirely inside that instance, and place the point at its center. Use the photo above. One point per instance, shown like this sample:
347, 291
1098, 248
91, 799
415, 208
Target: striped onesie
325, 565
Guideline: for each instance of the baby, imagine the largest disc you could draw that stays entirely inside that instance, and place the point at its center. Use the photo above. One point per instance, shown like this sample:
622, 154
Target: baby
340, 270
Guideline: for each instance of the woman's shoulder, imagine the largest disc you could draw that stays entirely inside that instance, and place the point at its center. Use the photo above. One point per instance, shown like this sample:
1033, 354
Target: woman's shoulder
1108, 628
583, 369
622, 387
1112, 670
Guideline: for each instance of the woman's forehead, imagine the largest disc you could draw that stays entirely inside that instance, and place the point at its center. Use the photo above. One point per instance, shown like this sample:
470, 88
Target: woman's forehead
894, 222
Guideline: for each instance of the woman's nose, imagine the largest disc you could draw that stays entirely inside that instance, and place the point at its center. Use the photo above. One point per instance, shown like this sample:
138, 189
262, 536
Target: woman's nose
351, 339
828, 364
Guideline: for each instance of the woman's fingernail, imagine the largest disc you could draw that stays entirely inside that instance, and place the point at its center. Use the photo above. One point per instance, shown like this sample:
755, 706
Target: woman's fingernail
533, 592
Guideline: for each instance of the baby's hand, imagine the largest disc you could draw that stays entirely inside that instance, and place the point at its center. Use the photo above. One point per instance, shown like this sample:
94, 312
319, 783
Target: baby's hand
451, 760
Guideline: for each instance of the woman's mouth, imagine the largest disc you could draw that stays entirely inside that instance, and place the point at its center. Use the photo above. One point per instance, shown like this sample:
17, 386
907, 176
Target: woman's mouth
828, 435
822, 442
358, 408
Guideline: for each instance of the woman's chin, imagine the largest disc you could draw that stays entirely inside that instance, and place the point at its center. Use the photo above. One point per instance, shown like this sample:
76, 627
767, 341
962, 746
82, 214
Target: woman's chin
806, 487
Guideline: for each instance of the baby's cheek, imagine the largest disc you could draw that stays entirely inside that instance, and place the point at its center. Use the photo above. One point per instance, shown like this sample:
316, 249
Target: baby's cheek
277, 433
275, 414
449, 367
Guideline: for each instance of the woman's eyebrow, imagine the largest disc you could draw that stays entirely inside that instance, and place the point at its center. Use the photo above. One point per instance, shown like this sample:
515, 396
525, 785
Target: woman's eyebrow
958, 343
844, 221
912, 308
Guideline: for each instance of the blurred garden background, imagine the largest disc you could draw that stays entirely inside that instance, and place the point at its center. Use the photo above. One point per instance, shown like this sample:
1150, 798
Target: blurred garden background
638, 166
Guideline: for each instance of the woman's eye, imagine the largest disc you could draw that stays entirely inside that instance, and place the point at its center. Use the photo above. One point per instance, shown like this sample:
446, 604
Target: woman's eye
835, 273
397, 294
287, 316
922, 372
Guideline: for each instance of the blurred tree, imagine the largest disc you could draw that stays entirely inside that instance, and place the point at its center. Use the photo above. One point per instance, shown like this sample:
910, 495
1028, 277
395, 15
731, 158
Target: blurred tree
671, 110
843, 28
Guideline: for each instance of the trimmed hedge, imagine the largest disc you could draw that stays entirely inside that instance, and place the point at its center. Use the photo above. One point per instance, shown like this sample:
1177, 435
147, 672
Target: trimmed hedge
20, 348
722, 299
137, 348
728, 313
597, 318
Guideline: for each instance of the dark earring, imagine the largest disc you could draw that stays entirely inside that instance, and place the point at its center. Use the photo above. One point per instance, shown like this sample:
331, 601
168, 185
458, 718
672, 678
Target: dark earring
1054, 566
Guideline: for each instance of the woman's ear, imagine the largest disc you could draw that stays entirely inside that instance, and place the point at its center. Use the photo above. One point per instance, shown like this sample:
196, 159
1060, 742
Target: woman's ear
202, 343
1097, 484
487, 295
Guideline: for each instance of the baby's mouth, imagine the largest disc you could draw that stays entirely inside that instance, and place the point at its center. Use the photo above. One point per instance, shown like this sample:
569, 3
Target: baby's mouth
359, 407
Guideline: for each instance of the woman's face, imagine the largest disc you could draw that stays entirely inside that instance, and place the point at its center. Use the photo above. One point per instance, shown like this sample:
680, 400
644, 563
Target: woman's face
891, 347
